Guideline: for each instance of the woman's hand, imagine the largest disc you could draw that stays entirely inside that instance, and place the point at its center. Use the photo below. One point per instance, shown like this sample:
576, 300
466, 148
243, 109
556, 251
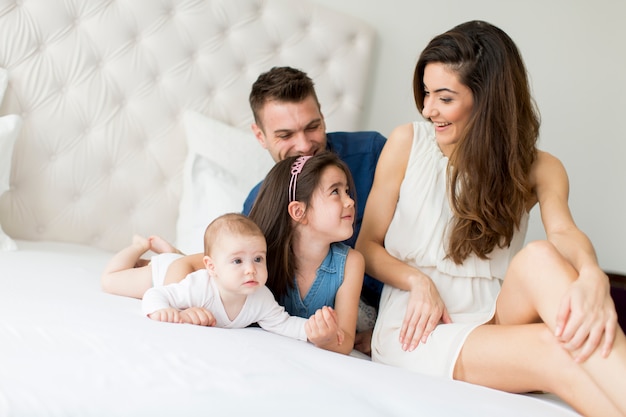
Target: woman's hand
199, 316
586, 317
323, 329
424, 311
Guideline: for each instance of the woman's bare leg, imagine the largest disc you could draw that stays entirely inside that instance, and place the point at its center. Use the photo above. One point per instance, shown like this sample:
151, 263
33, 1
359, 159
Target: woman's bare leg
520, 358
525, 358
122, 277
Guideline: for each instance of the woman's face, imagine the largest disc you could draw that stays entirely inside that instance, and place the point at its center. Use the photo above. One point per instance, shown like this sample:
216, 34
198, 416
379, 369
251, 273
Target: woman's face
447, 104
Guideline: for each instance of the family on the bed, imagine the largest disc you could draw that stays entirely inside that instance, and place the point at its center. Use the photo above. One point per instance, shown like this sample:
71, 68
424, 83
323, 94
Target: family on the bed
440, 212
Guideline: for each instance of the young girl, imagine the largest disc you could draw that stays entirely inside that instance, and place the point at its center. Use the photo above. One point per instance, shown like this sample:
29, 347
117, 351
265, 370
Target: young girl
304, 208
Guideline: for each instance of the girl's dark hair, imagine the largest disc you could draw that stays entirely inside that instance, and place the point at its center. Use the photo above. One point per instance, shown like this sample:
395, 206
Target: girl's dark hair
488, 172
270, 212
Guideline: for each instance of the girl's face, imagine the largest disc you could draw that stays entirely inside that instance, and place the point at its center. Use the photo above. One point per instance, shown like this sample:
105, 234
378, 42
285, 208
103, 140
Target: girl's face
447, 104
331, 211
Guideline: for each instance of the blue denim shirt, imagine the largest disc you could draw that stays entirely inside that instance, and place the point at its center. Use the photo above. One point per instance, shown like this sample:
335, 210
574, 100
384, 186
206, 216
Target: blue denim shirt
360, 151
322, 293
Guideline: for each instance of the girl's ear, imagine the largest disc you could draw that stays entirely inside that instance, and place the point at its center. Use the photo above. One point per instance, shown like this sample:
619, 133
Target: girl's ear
296, 211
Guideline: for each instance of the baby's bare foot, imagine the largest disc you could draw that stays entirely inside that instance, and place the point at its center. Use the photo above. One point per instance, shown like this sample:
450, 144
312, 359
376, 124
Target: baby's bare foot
160, 245
142, 243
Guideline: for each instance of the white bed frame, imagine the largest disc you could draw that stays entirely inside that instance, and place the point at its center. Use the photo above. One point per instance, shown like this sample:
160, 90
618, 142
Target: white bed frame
102, 87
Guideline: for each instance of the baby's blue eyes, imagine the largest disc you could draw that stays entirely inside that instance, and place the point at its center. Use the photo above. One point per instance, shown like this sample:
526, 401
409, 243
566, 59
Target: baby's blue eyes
239, 261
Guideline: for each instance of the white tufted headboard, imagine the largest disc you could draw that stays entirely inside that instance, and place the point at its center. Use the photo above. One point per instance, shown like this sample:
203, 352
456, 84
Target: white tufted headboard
101, 86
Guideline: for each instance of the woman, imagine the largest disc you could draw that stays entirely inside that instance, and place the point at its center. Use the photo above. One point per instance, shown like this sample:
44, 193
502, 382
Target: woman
444, 227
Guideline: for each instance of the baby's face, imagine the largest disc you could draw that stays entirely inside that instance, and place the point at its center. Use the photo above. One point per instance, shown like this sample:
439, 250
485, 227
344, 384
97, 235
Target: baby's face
240, 263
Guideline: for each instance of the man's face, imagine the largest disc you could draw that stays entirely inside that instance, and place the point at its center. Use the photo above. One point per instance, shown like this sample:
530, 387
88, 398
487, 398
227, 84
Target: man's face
291, 129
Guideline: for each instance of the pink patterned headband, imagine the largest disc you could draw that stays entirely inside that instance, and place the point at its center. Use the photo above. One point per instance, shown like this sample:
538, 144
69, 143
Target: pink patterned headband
296, 169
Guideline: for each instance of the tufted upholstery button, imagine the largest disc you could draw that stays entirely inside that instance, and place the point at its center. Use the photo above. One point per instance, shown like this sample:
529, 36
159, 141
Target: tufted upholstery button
130, 70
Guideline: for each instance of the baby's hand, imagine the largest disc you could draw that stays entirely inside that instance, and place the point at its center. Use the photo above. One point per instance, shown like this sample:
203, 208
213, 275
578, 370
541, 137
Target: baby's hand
198, 315
322, 328
170, 315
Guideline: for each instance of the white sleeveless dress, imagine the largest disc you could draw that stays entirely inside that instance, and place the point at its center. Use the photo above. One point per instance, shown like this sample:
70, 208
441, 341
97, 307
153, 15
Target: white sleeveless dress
417, 235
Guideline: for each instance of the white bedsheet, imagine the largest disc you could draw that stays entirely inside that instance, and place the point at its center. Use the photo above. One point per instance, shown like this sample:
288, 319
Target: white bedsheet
68, 349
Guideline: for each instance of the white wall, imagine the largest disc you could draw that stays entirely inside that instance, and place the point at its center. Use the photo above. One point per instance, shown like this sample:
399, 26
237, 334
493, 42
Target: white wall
575, 52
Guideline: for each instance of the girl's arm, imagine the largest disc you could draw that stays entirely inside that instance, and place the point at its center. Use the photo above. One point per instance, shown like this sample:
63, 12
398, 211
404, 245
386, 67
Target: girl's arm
182, 267
425, 308
587, 312
334, 329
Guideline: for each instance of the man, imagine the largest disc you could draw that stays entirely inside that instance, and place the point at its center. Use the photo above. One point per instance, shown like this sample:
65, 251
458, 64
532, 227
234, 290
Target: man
288, 121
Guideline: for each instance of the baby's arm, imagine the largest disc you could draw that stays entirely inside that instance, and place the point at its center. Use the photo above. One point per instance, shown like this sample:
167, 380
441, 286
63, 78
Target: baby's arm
183, 302
169, 314
198, 315
194, 315
182, 267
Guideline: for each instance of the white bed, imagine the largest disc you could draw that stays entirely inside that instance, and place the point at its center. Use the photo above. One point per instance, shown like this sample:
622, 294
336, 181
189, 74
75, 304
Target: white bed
131, 116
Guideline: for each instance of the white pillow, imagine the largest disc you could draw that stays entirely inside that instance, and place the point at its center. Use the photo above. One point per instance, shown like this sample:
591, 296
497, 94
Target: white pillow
9, 129
223, 164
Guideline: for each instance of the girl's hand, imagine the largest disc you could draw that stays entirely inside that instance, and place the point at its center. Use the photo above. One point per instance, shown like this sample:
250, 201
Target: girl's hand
199, 316
587, 315
170, 315
424, 311
322, 328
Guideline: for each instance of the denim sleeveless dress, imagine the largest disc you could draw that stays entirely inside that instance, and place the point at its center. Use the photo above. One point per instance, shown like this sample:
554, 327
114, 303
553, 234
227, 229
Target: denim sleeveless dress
328, 279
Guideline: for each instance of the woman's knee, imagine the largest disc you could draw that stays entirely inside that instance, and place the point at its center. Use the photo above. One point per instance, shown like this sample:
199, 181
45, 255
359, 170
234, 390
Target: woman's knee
539, 258
539, 251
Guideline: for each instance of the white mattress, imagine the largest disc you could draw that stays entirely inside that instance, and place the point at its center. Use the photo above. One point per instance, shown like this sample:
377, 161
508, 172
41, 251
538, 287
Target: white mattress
68, 349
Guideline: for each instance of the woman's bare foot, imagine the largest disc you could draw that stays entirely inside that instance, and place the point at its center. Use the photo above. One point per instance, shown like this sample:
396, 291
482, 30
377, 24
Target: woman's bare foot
160, 245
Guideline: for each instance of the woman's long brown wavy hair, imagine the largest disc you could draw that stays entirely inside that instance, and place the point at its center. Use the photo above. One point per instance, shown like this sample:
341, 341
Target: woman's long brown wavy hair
270, 212
488, 172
